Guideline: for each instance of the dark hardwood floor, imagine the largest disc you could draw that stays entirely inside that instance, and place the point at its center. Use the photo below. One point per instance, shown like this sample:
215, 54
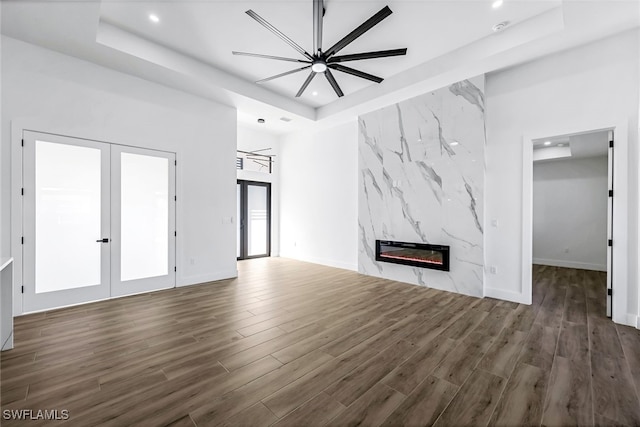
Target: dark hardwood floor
296, 344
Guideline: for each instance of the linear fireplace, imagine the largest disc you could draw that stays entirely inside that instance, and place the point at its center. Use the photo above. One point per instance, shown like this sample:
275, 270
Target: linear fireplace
415, 254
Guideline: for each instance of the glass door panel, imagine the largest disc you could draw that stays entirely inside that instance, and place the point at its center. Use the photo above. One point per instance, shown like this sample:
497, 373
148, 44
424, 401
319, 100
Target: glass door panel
257, 220
66, 183
254, 219
143, 212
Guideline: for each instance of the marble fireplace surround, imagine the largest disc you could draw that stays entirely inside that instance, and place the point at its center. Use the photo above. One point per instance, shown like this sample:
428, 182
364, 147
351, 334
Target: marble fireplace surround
421, 179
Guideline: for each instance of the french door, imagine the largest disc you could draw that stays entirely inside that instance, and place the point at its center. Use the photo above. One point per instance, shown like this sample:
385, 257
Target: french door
254, 219
99, 220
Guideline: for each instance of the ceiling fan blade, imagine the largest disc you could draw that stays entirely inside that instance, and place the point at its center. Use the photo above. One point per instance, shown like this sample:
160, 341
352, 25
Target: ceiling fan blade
356, 73
305, 84
279, 58
333, 83
278, 33
368, 55
286, 73
318, 14
363, 28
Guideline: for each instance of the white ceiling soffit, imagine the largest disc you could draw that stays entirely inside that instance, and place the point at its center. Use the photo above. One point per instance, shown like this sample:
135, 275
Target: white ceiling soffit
551, 153
593, 144
207, 75
576, 146
190, 49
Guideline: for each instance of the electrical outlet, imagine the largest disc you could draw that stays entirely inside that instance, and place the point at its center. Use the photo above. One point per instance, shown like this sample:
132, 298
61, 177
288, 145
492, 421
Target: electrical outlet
493, 269
192, 261
566, 250
494, 222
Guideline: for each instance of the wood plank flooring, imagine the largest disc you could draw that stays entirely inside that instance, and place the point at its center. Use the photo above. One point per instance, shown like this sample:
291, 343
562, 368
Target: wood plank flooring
289, 343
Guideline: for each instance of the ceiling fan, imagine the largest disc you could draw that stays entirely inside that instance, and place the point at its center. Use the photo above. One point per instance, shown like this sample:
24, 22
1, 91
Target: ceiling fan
323, 61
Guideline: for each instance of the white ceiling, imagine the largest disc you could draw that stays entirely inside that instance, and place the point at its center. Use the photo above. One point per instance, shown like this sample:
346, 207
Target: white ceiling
190, 48
427, 29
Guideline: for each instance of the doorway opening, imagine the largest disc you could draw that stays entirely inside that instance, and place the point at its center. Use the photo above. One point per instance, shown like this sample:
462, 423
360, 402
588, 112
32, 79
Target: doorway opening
254, 219
572, 222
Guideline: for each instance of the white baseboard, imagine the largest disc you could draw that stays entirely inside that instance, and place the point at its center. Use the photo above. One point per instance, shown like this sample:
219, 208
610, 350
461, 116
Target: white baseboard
570, 264
203, 278
322, 261
507, 295
633, 321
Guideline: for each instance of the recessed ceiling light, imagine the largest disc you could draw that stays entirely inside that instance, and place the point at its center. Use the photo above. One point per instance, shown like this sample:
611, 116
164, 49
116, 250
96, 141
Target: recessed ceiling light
500, 26
260, 120
547, 143
496, 4
314, 93
455, 143
154, 18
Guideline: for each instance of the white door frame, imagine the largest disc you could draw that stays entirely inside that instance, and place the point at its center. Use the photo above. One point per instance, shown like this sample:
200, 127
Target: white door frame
17, 127
620, 213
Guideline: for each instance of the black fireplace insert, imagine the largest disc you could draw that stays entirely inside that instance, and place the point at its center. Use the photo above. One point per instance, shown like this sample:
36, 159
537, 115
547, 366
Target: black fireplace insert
416, 254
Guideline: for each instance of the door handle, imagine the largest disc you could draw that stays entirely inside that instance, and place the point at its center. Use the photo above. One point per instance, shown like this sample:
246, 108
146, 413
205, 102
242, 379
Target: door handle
105, 240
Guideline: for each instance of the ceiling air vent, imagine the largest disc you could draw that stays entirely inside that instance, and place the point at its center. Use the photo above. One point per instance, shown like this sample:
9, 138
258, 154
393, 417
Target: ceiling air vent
285, 119
239, 163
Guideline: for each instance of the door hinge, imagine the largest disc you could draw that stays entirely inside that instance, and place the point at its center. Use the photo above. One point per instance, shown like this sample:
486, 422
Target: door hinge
175, 198
22, 191
175, 268
610, 193
22, 240
22, 143
175, 233
175, 162
610, 242
609, 291
611, 144
22, 289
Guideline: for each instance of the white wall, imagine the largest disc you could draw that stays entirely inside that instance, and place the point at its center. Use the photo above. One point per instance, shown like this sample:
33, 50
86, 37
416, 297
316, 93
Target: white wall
578, 89
570, 213
46, 91
319, 196
252, 139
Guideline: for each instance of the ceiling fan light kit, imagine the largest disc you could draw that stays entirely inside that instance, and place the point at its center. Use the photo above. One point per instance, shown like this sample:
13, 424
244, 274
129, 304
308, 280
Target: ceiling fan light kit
319, 67
323, 61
